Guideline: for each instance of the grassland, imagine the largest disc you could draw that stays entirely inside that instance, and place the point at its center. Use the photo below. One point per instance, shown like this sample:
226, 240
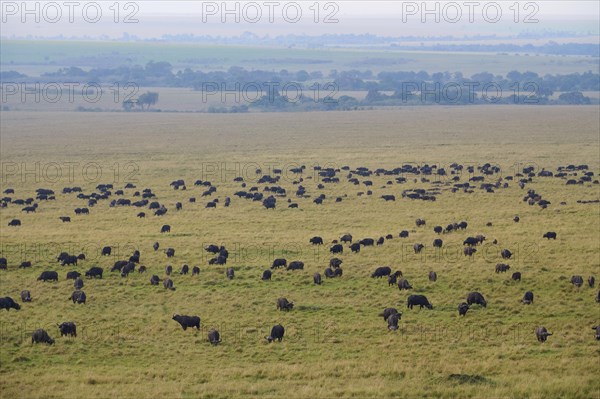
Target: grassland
36, 57
335, 344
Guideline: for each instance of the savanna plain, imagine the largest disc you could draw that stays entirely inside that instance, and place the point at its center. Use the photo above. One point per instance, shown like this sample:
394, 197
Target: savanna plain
335, 343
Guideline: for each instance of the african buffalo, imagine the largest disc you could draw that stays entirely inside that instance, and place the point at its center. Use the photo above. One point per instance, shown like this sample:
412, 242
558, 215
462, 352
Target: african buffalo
476, 297
591, 281
187, 321
284, 304
420, 300
8, 303
516, 276
316, 240
213, 337
355, 247
41, 336
266, 276
94, 271
432, 276
295, 265
168, 284
26, 296
48, 275
550, 235
154, 280
279, 263
542, 334
501, 268
469, 251
165, 229
387, 312
277, 333
336, 249
418, 248
403, 234
437, 243
528, 298
438, 229
72, 275
195, 271
230, 273
78, 296
577, 281
184, 269
381, 271
317, 278
170, 252
78, 283
168, 270
506, 254
14, 222
346, 238
67, 328
462, 309
106, 251
403, 284
597, 329
393, 321
335, 262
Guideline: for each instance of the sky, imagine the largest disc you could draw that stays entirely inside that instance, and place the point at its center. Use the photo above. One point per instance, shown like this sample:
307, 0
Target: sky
147, 19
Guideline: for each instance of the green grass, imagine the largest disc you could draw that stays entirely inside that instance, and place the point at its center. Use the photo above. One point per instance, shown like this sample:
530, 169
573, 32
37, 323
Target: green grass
335, 344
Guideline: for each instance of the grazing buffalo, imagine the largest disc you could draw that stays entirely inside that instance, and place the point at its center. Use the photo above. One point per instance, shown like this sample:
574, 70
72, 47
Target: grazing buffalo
346, 238
154, 280
420, 222
78, 296
168, 284
277, 333
142, 269
381, 271
501, 268
266, 276
355, 247
367, 242
335, 262
597, 329
336, 249
387, 312
462, 309
67, 328
392, 279
8, 303
3, 263
438, 229
317, 278
469, 251
437, 243
187, 321
380, 241
14, 222
195, 271
78, 283
284, 304
591, 281
184, 269
279, 263
550, 235
156, 245
516, 276
476, 297
119, 265
94, 272
516, 219
141, 215
316, 241
577, 281
168, 270
295, 265
388, 197
68, 260
329, 273
528, 298
230, 273
25, 264
420, 300
213, 337
403, 234
106, 251
48, 275
128, 268
471, 241
393, 321
403, 284
40, 336
506, 254
165, 229
338, 272
432, 276
73, 275
65, 219
418, 248
26, 296
170, 252
542, 334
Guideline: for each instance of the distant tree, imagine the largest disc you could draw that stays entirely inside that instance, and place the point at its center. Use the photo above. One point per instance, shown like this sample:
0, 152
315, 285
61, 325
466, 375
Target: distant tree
574, 97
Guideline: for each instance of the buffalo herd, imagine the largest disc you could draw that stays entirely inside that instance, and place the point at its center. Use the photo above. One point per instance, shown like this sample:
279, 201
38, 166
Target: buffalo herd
346, 244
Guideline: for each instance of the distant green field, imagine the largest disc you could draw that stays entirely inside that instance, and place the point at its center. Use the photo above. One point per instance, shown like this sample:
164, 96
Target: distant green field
35, 57
335, 345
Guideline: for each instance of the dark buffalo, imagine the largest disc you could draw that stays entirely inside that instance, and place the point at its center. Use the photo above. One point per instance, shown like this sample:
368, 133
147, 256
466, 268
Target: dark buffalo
506, 254
277, 333
381, 271
8, 303
230, 273
346, 238
213, 337
476, 297
420, 222
501, 268
14, 222
393, 321
597, 329
432, 276
355, 247
577, 281
295, 265
380, 241
336, 249
25, 264
69, 260
462, 309
403, 284
591, 281
195, 271
387, 312
168, 284
338, 272
78, 283
94, 272
25, 296
67, 328
40, 336
128, 268
550, 235
3, 263
516, 276
335, 262
170, 252
316, 241
279, 263
284, 304
469, 251
367, 242
72, 275
156, 245
168, 270
317, 278
184, 269
392, 279
119, 265
266, 276
154, 280
165, 229
438, 229
65, 219
528, 298
187, 321
48, 276
437, 243
420, 300
329, 273
106, 251
141, 215
542, 334
78, 296
418, 248
403, 234
471, 241
142, 269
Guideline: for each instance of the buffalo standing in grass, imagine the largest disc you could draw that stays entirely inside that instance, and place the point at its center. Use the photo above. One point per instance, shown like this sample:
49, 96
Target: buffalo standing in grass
277, 333
214, 337
542, 334
94, 272
528, 298
284, 304
78, 297
40, 336
67, 328
462, 309
317, 278
266, 276
420, 300
48, 276
577, 281
187, 321
168, 284
393, 321
25, 296
381, 272
387, 312
476, 297
432, 276
277, 263
550, 235
8, 303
